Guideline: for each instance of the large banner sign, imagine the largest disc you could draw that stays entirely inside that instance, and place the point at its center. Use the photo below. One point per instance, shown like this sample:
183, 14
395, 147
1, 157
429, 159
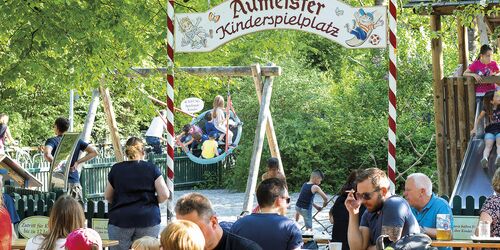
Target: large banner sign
364, 27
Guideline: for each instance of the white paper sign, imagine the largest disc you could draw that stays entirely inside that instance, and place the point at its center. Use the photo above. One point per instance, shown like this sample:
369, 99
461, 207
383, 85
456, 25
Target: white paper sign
364, 27
464, 226
192, 105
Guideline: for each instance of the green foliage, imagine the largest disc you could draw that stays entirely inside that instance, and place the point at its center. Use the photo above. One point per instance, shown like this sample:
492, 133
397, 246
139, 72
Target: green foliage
329, 107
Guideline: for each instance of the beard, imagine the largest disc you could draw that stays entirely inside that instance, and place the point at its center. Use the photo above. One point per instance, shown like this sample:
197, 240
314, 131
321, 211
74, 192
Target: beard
378, 205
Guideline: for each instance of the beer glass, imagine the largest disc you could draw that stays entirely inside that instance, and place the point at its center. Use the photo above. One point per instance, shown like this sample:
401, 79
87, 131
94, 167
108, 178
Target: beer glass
443, 227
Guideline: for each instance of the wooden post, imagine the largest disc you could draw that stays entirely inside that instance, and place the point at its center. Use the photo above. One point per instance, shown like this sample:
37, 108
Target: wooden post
471, 97
462, 118
111, 121
258, 143
463, 49
89, 120
437, 70
271, 135
452, 132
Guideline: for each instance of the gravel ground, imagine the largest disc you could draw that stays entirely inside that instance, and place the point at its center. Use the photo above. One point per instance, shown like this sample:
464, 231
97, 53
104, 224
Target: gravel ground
228, 205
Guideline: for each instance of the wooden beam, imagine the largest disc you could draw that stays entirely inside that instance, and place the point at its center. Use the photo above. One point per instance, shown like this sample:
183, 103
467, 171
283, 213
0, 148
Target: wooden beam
219, 71
452, 131
463, 49
91, 113
437, 72
111, 121
258, 143
471, 101
271, 135
462, 118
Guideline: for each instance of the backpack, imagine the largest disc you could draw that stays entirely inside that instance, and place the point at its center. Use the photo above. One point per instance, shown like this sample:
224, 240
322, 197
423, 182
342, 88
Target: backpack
417, 241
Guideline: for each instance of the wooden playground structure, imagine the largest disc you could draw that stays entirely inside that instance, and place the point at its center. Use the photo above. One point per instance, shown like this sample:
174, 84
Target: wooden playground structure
454, 96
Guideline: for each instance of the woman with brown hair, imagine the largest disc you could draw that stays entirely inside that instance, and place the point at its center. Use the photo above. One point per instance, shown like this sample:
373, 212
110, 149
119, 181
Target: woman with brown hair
134, 190
66, 215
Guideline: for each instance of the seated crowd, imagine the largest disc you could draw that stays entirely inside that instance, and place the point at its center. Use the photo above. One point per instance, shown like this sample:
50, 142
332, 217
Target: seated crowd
364, 210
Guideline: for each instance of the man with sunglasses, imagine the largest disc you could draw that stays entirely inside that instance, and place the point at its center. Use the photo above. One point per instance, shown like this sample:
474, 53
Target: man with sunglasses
268, 228
385, 214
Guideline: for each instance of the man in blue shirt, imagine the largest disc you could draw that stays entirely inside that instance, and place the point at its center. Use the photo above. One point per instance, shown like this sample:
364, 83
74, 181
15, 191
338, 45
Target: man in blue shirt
268, 228
61, 125
385, 214
424, 204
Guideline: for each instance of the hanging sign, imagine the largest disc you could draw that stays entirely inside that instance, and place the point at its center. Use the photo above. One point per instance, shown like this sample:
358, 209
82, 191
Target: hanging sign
192, 105
364, 27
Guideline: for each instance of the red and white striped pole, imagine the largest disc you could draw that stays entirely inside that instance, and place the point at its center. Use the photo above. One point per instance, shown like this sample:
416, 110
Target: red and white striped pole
391, 159
170, 104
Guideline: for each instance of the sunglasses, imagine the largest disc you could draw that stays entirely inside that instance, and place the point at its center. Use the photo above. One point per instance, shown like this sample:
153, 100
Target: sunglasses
287, 199
366, 195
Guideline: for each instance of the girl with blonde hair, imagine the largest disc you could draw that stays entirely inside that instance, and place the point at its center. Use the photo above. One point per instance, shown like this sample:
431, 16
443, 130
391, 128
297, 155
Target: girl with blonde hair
134, 190
4, 132
219, 119
66, 215
182, 235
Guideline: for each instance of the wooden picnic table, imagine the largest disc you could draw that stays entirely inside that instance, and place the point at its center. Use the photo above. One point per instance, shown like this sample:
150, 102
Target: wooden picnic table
464, 244
21, 243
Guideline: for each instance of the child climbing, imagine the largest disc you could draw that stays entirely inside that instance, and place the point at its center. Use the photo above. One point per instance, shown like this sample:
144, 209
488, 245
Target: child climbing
219, 119
483, 66
491, 110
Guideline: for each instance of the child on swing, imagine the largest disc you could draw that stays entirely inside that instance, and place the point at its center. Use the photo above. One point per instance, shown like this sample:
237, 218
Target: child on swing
219, 119
491, 109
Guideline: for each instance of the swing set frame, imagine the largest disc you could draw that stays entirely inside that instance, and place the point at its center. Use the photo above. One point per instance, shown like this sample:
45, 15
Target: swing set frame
263, 78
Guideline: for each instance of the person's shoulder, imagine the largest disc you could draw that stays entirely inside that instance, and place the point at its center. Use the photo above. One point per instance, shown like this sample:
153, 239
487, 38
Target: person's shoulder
51, 141
238, 242
34, 242
440, 201
395, 201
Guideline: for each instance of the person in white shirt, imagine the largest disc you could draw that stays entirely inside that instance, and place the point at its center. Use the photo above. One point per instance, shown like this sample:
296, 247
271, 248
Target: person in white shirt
154, 135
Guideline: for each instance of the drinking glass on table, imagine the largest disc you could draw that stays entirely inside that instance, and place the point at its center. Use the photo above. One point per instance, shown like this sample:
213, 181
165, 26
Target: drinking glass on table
483, 229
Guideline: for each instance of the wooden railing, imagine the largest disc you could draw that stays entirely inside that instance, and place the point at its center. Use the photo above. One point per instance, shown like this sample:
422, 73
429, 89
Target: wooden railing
455, 117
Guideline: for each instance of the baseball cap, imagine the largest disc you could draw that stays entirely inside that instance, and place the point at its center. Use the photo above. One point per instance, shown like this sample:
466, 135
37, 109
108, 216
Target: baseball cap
83, 239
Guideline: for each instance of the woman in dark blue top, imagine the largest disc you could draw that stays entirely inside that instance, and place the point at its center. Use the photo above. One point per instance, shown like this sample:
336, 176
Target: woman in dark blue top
135, 187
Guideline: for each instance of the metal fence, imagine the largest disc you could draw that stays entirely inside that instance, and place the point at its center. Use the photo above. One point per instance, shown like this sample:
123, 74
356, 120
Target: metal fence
94, 174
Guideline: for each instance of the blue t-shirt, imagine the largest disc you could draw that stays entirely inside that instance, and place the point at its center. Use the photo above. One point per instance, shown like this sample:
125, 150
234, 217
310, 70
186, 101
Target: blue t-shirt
8, 203
73, 176
134, 198
270, 231
306, 196
427, 217
209, 127
396, 212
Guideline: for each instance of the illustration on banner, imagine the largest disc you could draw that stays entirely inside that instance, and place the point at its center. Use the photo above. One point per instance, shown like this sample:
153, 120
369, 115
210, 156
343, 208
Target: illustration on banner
363, 25
192, 34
